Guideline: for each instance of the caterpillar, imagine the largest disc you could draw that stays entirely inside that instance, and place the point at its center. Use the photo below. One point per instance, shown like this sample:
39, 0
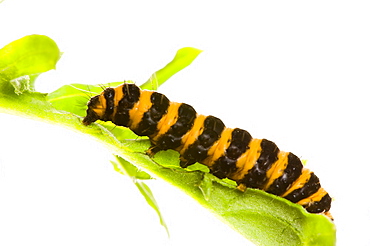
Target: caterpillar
229, 153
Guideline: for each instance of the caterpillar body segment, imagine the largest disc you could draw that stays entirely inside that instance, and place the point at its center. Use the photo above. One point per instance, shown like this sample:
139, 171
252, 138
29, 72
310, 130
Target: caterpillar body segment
229, 153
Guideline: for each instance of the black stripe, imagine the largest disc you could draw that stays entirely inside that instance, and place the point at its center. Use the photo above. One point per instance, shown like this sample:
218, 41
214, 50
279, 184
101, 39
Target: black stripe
172, 138
320, 206
212, 129
109, 104
240, 140
256, 176
149, 122
291, 174
312, 186
226, 164
185, 121
131, 95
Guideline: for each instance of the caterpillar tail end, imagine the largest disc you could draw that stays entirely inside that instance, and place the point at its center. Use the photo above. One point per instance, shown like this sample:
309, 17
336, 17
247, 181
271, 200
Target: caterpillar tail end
328, 214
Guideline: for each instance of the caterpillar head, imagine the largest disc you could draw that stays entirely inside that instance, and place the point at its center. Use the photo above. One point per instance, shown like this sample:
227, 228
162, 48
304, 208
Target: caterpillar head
113, 105
95, 110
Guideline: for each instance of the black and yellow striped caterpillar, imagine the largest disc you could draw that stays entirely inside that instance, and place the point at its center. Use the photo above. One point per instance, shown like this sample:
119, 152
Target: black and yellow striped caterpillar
229, 153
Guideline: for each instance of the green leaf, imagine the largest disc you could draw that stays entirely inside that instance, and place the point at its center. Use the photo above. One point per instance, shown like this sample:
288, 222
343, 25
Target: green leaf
206, 186
261, 217
148, 195
124, 167
183, 58
25, 57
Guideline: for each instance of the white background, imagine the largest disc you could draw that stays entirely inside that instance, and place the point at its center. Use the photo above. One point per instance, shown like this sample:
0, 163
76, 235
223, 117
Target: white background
292, 72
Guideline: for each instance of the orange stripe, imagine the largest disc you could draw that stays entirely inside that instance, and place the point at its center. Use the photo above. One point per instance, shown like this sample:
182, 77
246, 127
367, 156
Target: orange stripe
248, 159
317, 196
167, 120
99, 108
142, 106
219, 147
277, 169
192, 135
300, 182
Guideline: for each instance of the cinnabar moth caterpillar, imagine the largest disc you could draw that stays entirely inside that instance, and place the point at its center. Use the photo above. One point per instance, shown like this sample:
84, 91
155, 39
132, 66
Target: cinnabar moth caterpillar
229, 153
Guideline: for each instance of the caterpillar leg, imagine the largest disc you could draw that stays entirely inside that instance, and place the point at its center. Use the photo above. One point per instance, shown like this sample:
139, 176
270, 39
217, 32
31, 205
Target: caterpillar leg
185, 163
154, 149
328, 214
